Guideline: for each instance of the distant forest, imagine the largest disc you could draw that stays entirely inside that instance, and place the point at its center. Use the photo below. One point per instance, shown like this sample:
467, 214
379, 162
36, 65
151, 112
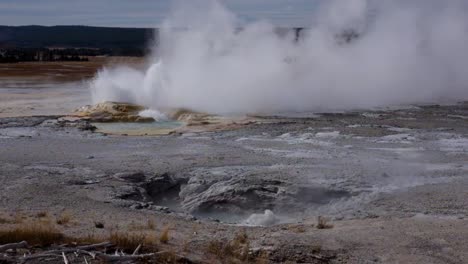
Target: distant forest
71, 43
77, 43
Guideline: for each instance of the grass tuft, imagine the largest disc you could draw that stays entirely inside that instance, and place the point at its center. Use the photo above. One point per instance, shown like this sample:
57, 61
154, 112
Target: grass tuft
322, 223
42, 214
164, 238
151, 225
99, 225
5, 221
128, 242
235, 250
37, 234
64, 218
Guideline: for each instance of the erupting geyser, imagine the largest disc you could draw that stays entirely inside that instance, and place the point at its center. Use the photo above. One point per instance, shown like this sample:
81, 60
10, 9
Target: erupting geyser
401, 52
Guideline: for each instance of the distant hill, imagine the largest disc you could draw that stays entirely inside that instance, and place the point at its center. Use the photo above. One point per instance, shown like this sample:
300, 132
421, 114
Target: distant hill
75, 37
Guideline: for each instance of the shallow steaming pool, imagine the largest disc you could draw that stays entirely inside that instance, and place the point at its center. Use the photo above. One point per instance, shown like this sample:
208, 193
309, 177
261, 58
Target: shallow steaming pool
135, 129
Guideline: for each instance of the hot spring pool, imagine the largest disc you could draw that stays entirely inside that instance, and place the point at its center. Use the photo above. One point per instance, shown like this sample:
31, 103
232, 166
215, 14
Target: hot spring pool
138, 129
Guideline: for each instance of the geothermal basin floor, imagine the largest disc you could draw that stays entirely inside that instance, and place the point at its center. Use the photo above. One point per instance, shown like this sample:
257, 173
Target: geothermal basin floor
392, 184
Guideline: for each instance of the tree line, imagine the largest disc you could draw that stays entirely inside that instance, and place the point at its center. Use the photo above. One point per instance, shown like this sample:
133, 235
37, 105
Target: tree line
14, 55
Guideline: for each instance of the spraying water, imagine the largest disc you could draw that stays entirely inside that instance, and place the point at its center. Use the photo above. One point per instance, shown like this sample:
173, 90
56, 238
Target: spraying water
353, 54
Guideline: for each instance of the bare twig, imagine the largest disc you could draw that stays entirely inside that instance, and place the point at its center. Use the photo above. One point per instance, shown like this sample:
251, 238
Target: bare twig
112, 258
75, 249
93, 246
22, 244
6, 259
65, 259
136, 250
91, 254
56, 253
36, 256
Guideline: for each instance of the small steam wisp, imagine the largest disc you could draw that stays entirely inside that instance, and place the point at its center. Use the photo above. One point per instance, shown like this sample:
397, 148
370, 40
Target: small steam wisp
353, 54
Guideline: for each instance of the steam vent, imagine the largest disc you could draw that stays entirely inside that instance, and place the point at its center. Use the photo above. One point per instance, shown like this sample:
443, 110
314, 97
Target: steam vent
323, 132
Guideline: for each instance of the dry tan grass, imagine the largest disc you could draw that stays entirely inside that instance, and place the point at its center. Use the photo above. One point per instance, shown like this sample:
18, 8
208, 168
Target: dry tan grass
41, 230
151, 225
130, 241
18, 218
42, 214
322, 223
5, 221
41, 233
231, 251
297, 229
64, 218
164, 238
262, 258
126, 241
87, 240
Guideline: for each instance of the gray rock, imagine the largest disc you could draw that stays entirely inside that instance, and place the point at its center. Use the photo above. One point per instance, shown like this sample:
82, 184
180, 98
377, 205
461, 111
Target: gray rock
129, 193
136, 206
83, 182
158, 208
133, 177
160, 184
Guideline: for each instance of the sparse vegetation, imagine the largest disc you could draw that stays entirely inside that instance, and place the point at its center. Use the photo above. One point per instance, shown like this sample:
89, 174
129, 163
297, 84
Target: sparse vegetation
37, 234
231, 251
88, 239
138, 226
98, 224
18, 218
262, 258
297, 228
241, 238
5, 221
322, 223
64, 218
42, 214
151, 225
128, 242
164, 238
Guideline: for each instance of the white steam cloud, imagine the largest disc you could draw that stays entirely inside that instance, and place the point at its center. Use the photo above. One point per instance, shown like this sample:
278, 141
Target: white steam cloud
399, 52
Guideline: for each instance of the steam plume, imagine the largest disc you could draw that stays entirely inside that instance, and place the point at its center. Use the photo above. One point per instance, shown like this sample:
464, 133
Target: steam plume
353, 54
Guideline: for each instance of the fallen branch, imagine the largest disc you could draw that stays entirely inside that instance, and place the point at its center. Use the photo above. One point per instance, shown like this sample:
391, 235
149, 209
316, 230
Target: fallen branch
322, 258
112, 258
62, 252
65, 259
22, 244
136, 250
37, 256
93, 246
6, 259
94, 255
75, 249
91, 254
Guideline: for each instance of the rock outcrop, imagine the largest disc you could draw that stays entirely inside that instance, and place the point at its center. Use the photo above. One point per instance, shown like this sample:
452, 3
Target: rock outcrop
113, 112
192, 118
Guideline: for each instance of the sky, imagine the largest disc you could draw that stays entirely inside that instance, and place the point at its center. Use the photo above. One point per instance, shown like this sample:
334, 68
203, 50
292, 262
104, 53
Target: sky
141, 13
